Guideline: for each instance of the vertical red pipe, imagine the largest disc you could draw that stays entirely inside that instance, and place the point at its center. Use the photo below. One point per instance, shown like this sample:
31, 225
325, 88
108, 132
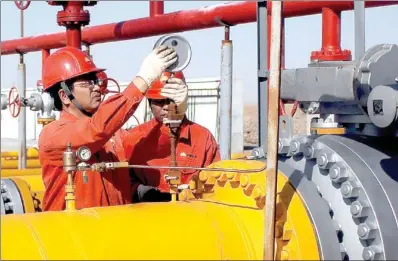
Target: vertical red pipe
331, 38
74, 36
73, 17
331, 29
156, 8
45, 53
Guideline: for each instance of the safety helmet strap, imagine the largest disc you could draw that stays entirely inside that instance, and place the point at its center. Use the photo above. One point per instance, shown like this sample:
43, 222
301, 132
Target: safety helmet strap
73, 99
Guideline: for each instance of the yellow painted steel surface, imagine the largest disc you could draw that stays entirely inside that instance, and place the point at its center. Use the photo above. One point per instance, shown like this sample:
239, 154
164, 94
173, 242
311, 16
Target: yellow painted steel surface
240, 155
13, 163
35, 182
27, 195
220, 218
20, 172
31, 153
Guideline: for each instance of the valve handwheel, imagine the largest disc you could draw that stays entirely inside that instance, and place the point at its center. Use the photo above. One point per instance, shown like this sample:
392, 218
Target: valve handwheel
14, 102
105, 89
22, 5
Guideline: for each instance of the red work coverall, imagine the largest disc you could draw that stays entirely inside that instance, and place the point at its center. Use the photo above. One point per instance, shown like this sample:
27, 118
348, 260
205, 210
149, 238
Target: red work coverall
150, 145
103, 135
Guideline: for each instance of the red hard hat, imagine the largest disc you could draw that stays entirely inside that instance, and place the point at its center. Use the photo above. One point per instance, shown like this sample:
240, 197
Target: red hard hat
66, 63
157, 85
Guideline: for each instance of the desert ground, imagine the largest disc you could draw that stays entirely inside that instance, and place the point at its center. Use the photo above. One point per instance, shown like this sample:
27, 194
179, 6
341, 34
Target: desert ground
251, 123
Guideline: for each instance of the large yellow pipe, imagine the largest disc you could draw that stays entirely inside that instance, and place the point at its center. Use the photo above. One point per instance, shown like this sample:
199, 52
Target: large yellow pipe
35, 182
224, 221
20, 172
13, 163
31, 153
180, 230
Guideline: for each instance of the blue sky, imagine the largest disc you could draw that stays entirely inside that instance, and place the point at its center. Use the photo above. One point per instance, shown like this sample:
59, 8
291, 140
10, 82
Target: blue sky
122, 59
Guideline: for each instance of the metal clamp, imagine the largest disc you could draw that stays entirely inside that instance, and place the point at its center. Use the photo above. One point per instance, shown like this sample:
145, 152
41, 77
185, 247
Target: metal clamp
167, 121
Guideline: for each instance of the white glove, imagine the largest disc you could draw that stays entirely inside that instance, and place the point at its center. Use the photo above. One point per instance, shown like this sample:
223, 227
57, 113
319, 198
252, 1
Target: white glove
176, 90
156, 63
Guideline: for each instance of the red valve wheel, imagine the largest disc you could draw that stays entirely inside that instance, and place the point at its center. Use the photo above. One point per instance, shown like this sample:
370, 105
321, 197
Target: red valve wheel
105, 91
14, 102
22, 5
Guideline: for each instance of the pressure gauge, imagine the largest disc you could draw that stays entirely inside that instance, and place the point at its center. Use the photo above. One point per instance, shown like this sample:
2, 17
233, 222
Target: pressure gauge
83, 153
182, 48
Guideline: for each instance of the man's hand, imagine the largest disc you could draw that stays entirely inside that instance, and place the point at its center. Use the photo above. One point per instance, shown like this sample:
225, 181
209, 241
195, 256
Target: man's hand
176, 90
155, 64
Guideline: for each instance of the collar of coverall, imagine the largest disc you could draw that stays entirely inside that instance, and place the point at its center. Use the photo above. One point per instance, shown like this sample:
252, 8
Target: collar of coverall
67, 116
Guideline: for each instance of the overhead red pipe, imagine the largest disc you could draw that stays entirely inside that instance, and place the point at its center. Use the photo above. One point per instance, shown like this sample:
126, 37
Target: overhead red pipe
156, 8
202, 18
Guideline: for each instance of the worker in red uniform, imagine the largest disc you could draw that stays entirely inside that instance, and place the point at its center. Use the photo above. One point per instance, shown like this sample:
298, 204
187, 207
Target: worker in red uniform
70, 76
196, 146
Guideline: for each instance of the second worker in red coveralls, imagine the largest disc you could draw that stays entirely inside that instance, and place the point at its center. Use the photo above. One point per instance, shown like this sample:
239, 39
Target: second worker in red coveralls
196, 146
71, 78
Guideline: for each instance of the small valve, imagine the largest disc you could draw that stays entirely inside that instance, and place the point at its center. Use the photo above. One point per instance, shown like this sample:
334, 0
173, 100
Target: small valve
69, 159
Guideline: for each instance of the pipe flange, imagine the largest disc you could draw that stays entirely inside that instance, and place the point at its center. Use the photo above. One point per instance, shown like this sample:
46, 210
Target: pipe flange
10, 198
359, 209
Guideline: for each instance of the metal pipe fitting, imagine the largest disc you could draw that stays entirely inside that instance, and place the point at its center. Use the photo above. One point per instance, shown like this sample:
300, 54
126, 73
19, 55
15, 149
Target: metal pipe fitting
4, 102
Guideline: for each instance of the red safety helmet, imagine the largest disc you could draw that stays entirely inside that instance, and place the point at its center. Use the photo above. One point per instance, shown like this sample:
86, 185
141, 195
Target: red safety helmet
157, 85
65, 64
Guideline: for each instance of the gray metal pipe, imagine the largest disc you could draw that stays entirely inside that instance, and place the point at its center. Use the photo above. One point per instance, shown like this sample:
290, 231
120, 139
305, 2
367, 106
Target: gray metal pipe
359, 16
226, 100
262, 77
22, 117
4, 102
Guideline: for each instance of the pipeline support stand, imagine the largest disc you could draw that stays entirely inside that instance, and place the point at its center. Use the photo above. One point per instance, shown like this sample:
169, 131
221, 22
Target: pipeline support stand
273, 131
226, 96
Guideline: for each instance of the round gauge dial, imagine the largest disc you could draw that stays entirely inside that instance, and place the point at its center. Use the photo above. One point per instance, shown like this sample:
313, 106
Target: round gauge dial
84, 153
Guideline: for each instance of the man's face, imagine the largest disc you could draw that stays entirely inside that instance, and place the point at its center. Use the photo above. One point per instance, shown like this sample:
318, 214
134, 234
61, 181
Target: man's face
159, 109
87, 93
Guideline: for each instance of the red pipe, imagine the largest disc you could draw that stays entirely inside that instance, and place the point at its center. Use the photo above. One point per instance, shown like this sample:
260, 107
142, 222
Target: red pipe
73, 17
202, 18
44, 55
331, 38
74, 36
156, 8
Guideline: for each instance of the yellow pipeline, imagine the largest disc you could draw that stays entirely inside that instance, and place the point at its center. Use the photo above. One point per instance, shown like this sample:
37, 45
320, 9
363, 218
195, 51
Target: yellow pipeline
20, 172
224, 221
13, 163
35, 182
31, 153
